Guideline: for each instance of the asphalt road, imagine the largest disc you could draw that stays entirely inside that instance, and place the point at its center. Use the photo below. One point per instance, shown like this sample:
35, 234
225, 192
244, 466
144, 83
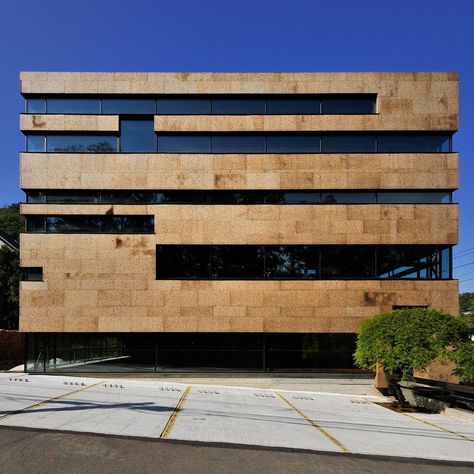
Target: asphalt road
25, 450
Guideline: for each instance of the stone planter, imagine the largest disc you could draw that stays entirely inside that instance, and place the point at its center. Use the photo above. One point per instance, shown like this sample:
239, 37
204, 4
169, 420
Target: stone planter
422, 397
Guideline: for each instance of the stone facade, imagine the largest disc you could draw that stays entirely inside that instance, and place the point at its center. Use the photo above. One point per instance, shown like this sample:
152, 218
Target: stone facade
106, 283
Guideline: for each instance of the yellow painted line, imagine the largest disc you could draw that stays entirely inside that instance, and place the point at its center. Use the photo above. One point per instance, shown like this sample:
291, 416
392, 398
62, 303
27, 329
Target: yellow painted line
426, 423
169, 426
314, 424
439, 427
49, 400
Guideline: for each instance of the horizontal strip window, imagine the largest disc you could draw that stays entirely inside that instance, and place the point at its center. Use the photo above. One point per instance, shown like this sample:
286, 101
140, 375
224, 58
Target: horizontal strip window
236, 197
236, 104
137, 136
72, 143
197, 351
31, 274
302, 262
82, 224
304, 143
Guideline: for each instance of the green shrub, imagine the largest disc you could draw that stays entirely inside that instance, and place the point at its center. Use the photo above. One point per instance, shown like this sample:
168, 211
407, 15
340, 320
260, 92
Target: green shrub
408, 339
464, 357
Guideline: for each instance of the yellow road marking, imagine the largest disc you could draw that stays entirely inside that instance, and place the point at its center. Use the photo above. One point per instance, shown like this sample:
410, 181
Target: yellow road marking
439, 427
44, 402
427, 423
169, 426
314, 424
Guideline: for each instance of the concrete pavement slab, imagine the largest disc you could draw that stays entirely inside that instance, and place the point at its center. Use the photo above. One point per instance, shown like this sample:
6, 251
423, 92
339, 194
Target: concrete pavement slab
18, 393
253, 417
464, 428
130, 409
366, 428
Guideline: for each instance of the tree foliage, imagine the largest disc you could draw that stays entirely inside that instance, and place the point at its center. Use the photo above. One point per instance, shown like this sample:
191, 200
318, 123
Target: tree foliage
466, 302
409, 339
464, 357
11, 221
9, 288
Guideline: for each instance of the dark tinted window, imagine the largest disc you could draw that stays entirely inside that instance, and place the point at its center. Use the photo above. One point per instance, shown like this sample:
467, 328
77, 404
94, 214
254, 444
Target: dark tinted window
348, 198
183, 261
300, 198
35, 197
348, 144
409, 262
128, 197
347, 261
67, 198
73, 106
35, 224
425, 143
293, 144
81, 143
293, 106
32, 274
91, 224
128, 106
237, 261
67, 224
446, 263
184, 106
236, 197
299, 351
128, 225
238, 144
36, 106
238, 106
282, 262
36, 143
414, 198
137, 136
184, 144
348, 105
291, 262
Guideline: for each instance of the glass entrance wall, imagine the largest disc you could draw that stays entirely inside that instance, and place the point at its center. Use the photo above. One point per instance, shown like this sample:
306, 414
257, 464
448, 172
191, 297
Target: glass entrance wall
187, 352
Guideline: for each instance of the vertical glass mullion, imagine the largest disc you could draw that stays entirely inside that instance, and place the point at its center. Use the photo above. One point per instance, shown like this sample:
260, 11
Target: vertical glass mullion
211, 249
45, 144
376, 143
375, 262
319, 250
264, 261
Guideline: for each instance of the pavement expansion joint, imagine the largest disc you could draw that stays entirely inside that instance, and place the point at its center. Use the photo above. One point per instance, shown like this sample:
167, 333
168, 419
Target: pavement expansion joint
172, 419
49, 400
313, 423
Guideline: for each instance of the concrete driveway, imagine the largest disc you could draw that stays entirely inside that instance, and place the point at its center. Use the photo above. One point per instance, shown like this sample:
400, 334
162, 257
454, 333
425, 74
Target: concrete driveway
272, 418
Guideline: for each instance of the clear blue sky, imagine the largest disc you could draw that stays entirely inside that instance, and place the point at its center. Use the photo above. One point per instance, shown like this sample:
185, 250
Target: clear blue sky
242, 35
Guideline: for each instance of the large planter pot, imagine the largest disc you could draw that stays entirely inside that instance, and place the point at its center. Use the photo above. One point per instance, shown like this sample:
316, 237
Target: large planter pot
422, 397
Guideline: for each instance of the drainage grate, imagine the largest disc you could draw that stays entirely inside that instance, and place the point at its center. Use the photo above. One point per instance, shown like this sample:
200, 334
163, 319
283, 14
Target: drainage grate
170, 389
110, 385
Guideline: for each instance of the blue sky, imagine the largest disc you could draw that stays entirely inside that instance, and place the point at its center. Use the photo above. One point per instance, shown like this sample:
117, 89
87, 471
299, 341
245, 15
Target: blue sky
243, 35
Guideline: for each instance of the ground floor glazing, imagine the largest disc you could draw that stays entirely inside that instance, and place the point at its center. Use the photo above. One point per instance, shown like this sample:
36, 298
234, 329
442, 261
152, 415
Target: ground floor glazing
172, 352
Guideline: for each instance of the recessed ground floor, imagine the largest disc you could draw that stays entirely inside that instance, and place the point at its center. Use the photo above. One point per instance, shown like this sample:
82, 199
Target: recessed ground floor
170, 352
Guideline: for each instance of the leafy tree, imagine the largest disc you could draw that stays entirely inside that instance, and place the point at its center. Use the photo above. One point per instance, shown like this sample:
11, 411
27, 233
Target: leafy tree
9, 284
466, 302
408, 339
11, 221
464, 357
